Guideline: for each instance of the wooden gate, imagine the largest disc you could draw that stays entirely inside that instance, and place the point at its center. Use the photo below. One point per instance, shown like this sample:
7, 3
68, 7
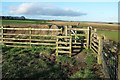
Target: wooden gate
96, 45
64, 45
71, 39
28, 37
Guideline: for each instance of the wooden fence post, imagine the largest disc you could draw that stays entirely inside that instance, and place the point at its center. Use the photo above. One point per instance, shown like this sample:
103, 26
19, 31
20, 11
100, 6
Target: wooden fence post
57, 47
70, 27
65, 30
70, 46
88, 37
75, 36
2, 35
30, 32
100, 48
91, 33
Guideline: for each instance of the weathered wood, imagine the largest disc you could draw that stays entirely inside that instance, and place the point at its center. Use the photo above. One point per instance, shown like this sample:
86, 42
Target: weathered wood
57, 46
100, 50
29, 43
95, 44
44, 35
76, 46
64, 52
32, 29
12, 34
78, 29
16, 42
31, 39
30, 32
63, 36
70, 47
65, 28
63, 42
63, 47
18, 46
44, 40
95, 49
75, 36
28, 35
91, 36
95, 30
95, 53
15, 39
88, 37
2, 34
49, 44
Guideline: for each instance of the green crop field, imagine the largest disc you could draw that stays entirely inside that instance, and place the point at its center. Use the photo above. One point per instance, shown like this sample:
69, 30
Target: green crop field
9, 22
112, 35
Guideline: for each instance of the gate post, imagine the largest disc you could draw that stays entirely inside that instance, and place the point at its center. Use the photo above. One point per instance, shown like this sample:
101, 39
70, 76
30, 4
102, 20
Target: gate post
100, 48
65, 30
30, 32
88, 37
91, 33
57, 46
70, 46
2, 35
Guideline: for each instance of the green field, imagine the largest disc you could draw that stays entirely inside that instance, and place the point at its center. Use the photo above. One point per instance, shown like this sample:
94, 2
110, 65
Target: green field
112, 35
9, 22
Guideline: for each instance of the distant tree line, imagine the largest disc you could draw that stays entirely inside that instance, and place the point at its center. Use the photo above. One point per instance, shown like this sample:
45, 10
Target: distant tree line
12, 18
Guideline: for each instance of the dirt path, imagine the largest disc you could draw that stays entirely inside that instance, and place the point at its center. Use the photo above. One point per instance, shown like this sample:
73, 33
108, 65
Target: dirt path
80, 57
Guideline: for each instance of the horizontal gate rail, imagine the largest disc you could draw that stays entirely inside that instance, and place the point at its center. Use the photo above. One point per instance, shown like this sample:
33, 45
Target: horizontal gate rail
26, 39
78, 29
96, 45
31, 29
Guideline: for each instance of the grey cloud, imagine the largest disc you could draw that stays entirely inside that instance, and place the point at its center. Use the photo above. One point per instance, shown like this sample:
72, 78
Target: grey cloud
32, 9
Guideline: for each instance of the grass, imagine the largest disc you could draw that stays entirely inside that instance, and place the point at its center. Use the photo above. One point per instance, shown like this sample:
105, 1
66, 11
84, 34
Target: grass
8, 22
112, 35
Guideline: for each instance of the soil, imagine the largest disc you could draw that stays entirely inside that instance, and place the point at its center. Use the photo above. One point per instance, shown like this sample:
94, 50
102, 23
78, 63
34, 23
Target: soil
80, 57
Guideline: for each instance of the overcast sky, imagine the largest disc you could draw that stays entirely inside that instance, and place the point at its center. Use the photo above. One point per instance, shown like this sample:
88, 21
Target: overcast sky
72, 11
